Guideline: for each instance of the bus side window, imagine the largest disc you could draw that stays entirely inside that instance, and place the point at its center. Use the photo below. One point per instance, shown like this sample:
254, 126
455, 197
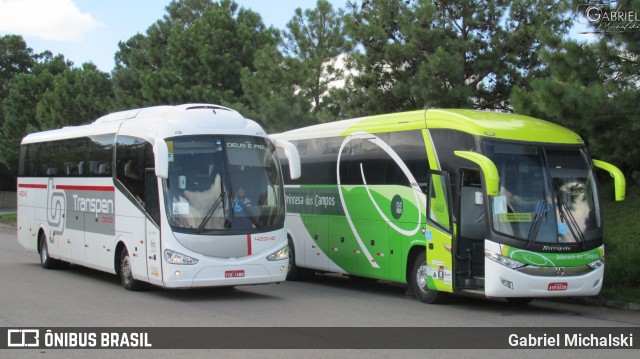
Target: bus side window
130, 165
472, 210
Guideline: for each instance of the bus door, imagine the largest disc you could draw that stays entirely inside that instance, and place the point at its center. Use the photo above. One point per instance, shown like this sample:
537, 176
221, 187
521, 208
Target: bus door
472, 230
439, 233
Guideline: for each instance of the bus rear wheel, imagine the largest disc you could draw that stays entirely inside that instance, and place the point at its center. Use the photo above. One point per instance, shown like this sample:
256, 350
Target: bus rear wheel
296, 273
418, 282
126, 274
45, 260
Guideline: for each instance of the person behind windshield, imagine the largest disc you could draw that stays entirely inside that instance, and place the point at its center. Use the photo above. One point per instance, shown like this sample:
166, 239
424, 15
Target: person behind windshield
241, 197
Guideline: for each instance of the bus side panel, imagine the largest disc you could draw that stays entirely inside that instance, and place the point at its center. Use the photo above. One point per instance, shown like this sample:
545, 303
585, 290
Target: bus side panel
315, 241
399, 247
342, 247
27, 226
27, 231
131, 230
71, 245
153, 253
381, 214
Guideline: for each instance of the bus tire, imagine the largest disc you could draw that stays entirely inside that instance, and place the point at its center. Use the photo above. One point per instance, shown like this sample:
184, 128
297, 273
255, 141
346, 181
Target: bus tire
418, 282
45, 260
126, 274
295, 273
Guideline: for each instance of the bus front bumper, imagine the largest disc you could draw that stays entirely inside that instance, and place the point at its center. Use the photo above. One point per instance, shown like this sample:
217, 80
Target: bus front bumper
219, 276
501, 281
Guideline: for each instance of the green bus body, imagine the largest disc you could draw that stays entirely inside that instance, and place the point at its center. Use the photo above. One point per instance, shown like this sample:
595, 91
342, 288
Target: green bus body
422, 198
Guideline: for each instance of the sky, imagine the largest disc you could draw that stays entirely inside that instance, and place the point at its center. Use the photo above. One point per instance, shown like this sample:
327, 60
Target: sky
89, 30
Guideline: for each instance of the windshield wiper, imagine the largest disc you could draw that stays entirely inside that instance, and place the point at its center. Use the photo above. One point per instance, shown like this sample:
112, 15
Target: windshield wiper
571, 222
541, 209
567, 217
246, 211
210, 212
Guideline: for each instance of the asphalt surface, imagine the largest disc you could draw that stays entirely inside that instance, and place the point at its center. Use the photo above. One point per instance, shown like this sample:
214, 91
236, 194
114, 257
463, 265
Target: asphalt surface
31, 296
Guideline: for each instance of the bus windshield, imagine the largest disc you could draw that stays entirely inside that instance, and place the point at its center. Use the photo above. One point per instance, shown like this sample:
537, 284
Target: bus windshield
223, 183
547, 194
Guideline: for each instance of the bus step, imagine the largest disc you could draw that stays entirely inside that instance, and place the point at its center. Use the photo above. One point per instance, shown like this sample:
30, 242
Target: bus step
476, 292
475, 282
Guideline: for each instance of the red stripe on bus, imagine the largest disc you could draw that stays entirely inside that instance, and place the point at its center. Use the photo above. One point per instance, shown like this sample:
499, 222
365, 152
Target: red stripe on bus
29, 185
87, 188
248, 244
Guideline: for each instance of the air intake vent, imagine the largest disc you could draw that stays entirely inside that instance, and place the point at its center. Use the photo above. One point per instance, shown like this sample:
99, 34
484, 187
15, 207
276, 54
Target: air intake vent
208, 107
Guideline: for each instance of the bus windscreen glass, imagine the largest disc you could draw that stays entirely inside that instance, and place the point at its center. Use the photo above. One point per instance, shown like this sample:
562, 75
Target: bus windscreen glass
230, 183
547, 194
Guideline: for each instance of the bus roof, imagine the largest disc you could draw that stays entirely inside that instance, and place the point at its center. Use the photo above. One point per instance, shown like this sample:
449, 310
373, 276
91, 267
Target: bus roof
159, 122
482, 123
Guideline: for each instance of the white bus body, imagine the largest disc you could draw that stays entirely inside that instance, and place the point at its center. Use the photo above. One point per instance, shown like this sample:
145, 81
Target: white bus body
152, 195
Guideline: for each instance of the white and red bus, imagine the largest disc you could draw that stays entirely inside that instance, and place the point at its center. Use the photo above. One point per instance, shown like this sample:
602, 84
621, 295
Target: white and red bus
175, 196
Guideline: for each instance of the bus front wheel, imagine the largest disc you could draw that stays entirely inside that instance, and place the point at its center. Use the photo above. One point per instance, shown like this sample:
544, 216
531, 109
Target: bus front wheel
126, 274
418, 282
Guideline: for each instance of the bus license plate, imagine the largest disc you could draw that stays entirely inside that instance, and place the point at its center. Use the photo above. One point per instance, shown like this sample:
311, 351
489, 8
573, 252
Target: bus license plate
557, 286
234, 273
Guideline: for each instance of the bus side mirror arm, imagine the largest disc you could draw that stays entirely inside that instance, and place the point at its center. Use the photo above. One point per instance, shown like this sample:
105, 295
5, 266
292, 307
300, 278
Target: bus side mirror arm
292, 156
161, 153
619, 182
489, 169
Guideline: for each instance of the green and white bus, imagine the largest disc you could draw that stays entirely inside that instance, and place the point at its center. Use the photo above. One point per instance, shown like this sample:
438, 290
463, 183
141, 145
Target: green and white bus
449, 201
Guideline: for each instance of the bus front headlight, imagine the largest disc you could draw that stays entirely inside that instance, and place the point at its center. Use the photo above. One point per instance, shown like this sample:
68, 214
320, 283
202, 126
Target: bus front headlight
597, 264
282, 253
174, 257
505, 261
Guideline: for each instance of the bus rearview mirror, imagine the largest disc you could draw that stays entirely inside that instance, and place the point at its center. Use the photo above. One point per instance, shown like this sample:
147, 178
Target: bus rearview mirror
488, 168
161, 153
291, 152
619, 182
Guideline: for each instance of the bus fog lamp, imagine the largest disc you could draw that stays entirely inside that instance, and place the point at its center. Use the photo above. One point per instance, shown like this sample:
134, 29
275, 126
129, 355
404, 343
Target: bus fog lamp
174, 257
505, 261
507, 283
282, 253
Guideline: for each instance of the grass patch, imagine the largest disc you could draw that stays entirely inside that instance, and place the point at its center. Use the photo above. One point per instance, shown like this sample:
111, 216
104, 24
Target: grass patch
622, 246
627, 295
8, 218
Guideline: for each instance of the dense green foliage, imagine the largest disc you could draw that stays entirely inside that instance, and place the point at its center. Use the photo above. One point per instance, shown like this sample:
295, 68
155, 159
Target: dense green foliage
415, 54
621, 240
375, 56
593, 88
196, 53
